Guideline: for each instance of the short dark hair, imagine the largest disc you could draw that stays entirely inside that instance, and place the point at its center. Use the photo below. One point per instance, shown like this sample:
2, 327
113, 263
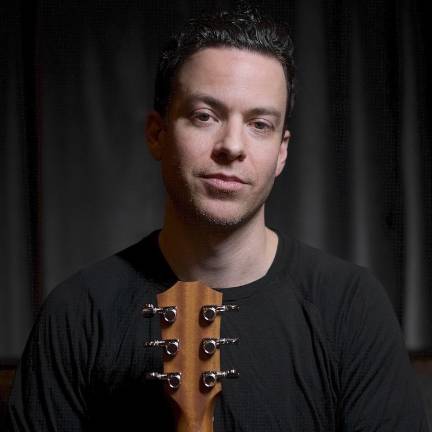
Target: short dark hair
243, 28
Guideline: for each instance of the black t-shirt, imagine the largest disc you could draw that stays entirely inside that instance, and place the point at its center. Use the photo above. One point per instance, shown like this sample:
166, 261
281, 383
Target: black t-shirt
320, 350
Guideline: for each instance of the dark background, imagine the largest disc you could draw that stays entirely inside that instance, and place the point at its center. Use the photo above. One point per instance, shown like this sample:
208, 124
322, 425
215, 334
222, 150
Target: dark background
78, 183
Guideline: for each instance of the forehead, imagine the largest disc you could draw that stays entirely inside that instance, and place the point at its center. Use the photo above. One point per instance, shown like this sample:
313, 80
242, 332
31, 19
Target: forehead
233, 75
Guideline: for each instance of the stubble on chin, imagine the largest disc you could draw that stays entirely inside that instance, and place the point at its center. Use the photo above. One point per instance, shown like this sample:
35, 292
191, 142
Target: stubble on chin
214, 216
224, 213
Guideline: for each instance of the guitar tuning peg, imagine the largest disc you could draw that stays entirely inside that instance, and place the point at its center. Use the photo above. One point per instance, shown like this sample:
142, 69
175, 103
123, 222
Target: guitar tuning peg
209, 345
171, 346
173, 379
209, 312
168, 313
210, 378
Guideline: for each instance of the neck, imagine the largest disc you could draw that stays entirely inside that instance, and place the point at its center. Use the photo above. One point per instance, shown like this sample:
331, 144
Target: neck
218, 257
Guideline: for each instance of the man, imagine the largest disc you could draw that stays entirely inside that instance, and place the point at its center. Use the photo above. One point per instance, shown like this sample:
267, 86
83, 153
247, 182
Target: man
320, 347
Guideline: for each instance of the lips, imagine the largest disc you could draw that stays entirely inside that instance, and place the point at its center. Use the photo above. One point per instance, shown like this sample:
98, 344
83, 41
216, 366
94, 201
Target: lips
220, 183
225, 178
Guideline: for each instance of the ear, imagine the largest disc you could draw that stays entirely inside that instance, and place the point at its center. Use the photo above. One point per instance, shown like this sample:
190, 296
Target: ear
154, 132
283, 152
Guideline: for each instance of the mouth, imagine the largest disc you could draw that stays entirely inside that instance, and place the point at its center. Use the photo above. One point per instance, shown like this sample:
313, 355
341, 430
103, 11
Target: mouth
225, 178
224, 183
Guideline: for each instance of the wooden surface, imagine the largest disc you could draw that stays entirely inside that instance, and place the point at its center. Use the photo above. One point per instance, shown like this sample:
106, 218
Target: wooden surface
422, 364
6, 378
194, 403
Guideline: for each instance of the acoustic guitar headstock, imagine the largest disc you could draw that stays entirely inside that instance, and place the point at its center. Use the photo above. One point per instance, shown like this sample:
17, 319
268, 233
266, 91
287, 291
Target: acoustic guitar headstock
190, 339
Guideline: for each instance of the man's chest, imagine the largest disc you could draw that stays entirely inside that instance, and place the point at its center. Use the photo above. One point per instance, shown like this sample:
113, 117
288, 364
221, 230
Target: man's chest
287, 376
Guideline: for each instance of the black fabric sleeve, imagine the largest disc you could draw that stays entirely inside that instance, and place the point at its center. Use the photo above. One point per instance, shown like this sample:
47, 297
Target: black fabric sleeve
378, 386
49, 388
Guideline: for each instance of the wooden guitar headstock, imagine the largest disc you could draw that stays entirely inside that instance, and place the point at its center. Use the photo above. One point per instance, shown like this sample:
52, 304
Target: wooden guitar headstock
190, 336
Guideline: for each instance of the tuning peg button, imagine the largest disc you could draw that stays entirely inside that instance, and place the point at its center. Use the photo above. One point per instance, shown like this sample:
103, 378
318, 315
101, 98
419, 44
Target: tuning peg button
210, 378
209, 312
173, 379
168, 313
170, 346
209, 345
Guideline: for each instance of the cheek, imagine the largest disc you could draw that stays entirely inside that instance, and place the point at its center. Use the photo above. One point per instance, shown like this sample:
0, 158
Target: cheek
265, 165
190, 150
183, 158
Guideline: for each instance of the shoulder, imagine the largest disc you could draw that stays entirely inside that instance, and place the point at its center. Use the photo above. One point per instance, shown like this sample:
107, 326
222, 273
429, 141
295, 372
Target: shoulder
104, 284
346, 298
319, 276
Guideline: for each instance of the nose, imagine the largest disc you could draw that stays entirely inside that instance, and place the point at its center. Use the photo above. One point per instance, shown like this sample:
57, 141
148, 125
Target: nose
230, 143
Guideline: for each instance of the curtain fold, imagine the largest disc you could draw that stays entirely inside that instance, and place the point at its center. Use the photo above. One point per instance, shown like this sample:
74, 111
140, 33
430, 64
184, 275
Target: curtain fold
416, 184
19, 277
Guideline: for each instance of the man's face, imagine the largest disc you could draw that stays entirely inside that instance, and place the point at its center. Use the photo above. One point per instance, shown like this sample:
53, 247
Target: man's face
222, 142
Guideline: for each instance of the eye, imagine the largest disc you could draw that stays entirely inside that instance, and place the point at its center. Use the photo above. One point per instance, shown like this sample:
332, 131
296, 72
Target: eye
202, 117
261, 126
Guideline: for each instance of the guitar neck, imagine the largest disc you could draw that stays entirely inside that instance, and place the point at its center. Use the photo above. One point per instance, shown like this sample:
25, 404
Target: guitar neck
194, 403
190, 335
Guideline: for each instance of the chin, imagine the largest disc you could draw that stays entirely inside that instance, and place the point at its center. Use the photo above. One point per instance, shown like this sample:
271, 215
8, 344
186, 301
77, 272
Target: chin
214, 213
219, 220
223, 216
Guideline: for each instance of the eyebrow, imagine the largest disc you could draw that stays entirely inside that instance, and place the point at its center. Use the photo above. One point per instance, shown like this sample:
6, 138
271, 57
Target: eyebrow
219, 105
